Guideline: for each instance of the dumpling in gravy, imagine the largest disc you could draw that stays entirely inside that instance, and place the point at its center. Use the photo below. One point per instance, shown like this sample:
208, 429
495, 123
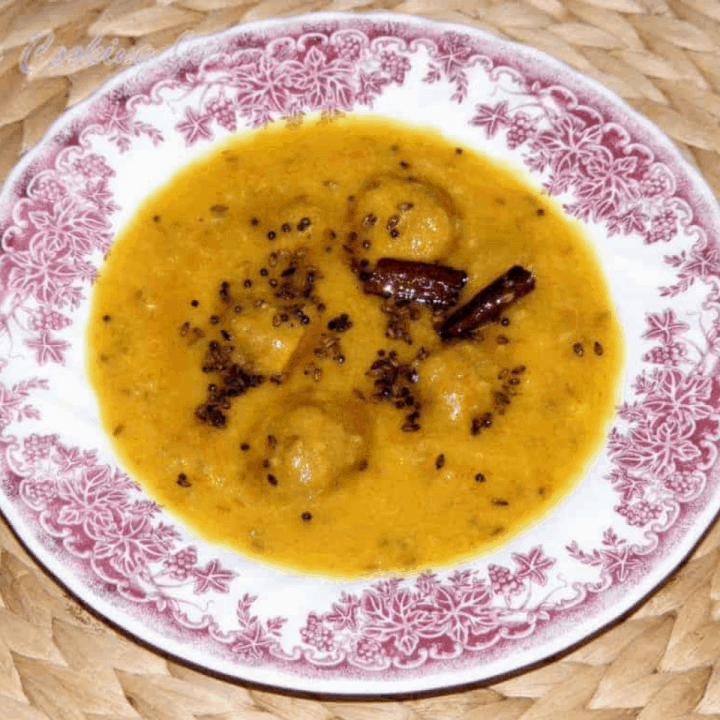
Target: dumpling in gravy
308, 450
405, 218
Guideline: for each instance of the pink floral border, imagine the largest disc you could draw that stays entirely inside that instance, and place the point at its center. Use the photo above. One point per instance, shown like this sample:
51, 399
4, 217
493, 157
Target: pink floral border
608, 167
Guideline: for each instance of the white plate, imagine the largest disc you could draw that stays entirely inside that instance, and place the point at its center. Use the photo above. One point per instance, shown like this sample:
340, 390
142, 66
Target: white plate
646, 501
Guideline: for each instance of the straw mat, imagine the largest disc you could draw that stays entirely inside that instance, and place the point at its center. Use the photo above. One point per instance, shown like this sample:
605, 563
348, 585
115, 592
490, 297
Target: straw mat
662, 663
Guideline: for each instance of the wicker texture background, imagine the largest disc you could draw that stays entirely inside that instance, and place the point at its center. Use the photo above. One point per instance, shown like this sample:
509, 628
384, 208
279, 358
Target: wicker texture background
663, 663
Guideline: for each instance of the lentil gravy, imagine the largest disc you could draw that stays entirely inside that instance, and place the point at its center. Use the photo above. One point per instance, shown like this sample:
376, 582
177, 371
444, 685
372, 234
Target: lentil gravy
261, 378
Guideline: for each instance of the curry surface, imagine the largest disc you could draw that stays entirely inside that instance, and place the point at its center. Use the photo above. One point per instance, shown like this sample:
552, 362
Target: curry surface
311, 472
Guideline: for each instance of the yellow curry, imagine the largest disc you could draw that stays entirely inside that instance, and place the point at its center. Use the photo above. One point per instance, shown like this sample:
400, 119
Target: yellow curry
287, 357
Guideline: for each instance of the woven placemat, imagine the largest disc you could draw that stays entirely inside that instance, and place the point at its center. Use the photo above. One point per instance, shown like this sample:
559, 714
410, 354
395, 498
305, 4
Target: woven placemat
662, 663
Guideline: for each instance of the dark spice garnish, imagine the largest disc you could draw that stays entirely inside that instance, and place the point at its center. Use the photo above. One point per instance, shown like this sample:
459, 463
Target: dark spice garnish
224, 291
329, 347
272, 479
247, 283
540, 211
156, 218
306, 516
194, 303
578, 349
519, 370
502, 340
184, 329
489, 303
271, 235
272, 441
393, 382
214, 319
439, 461
341, 323
501, 400
286, 228
479, 478
598, 348
400, 315
211, 415
107, 318
480, 422
182, 480
499, 501
216, 358
234, 380
504, 321
410, 281
254, 221
245, 447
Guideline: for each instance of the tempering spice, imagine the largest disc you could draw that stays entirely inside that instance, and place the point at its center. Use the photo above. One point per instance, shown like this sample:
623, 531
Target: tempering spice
394, 382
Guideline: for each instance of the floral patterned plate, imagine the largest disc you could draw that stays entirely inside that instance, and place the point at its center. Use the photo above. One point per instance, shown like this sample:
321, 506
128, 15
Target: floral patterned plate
644, 504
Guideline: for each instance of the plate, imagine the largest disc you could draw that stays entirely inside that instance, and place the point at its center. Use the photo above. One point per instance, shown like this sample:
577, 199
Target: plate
646, 501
